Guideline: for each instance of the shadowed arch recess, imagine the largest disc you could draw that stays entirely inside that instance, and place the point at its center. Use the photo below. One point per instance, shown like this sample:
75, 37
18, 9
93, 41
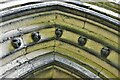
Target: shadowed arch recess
75, 21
